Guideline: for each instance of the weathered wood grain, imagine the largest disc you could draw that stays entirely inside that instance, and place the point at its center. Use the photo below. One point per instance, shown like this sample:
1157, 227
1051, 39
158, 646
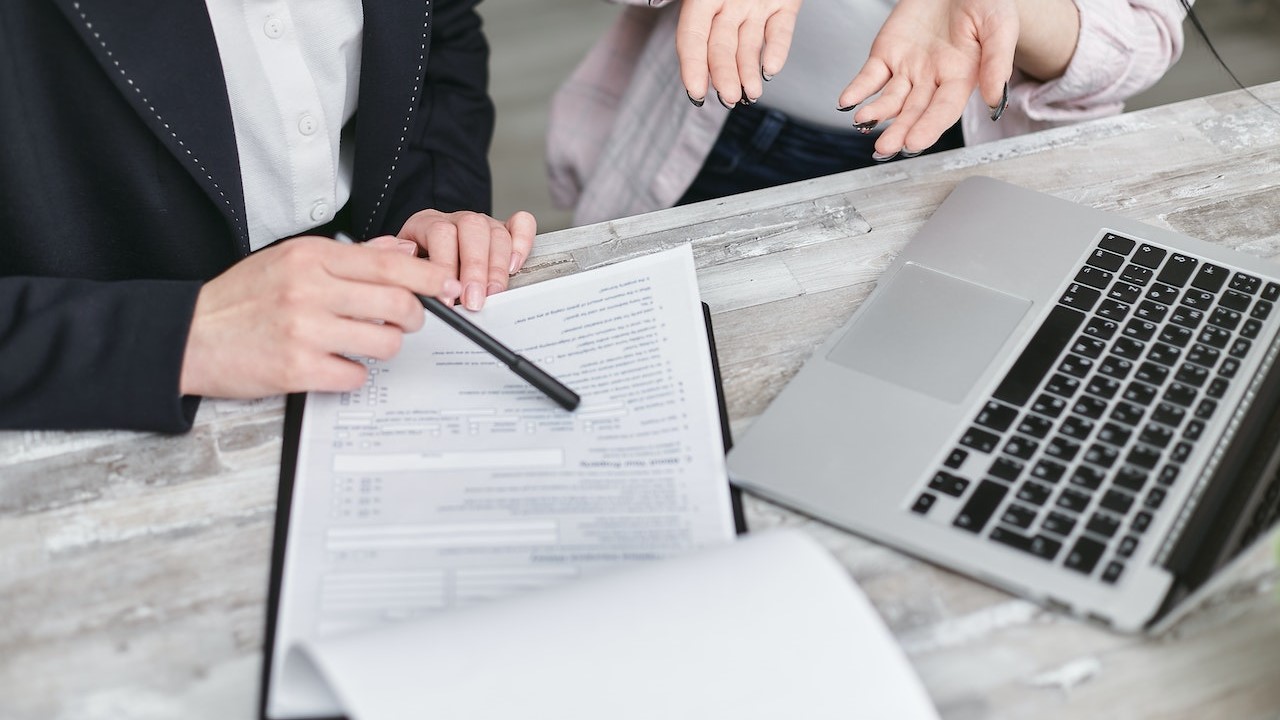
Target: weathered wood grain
133, 567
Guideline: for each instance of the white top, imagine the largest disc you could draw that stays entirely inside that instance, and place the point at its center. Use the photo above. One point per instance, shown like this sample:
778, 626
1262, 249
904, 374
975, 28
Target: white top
293, 74
831, 42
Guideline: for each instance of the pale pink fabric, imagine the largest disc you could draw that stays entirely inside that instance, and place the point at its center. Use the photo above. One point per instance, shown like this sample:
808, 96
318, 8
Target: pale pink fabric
624, 139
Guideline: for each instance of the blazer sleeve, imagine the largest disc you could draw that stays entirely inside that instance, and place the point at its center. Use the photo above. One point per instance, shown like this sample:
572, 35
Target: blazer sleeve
79, 354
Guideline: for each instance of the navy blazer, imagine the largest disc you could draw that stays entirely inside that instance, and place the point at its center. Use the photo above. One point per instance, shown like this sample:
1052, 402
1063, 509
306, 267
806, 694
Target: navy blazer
120, 187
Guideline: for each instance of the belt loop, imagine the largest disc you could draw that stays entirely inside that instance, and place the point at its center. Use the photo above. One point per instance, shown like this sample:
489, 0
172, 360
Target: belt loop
770, 127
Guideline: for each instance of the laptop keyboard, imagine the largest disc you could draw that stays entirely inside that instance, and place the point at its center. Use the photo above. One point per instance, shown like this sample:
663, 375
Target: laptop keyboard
1079, 445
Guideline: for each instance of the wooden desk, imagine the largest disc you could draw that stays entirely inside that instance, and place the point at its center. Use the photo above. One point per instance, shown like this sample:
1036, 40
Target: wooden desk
133, 568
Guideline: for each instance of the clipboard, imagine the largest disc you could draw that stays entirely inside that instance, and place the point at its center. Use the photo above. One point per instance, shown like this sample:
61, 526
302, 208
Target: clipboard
295, 408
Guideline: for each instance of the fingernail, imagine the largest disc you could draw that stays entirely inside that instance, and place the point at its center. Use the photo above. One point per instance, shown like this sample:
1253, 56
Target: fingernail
998, 110
907, 153
847, 108
696, 103
767, 77
726, 105
866, 127
745, 99
451, 289
473, 296
516, 261
882, 157
494, 288
408, 247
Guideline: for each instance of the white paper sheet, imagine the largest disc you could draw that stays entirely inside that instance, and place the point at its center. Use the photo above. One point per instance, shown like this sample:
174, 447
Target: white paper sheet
769, 627
448, 481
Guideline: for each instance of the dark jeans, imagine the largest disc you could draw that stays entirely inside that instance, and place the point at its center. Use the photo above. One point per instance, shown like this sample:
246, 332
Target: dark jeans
761, 148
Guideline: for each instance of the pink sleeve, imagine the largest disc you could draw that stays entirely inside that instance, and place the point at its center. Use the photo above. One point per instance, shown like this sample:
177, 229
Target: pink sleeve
1124, 48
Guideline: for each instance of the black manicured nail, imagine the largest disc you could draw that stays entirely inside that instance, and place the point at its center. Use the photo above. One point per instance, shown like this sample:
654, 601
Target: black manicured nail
998, 110
908, 154
865, 127
696, 103
879, 157
746, 99
766, 76
847, 108
722, 102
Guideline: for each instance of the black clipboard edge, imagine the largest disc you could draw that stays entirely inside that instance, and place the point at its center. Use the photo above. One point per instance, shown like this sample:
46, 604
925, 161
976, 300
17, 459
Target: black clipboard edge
735, 493
295, 406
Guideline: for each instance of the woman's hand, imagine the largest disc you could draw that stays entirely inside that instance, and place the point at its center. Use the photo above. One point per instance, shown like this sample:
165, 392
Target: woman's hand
925, 62
739, 43
482, 252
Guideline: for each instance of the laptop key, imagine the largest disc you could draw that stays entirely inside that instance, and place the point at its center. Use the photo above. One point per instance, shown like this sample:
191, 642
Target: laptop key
1241, 282
1073, 500
1076, 427
1080, 297
1117, 502
1151, 311
1124, 292
1103, 524
923, 504
1117, 243
1101, 328
1084, 555
1261, 310
1087, 477
1233, 300
1035, 426
1163, 354
1058, 524
1127, 413
1141, 521
1136, 274
945, 482
1112, 572
1048, 471
1127, 348
1271, 292
1210, 278
1094, 277
1039, 355
1251, 328
996, 416
1039, 545
956, 458
1034, 493
1178, 270
1131, 478
1197, 299
1019, 516
1088, 347
980, 440
1006, 469
1239, 348
1149, 256
981, 506
1106, 260
1101, 455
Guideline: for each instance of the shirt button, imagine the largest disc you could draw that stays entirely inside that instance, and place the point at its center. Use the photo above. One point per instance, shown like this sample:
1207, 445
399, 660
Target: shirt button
320, 211
307, 124
273, 28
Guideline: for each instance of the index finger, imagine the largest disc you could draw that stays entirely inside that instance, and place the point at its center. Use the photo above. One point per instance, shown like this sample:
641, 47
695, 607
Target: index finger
372, 265
693, 32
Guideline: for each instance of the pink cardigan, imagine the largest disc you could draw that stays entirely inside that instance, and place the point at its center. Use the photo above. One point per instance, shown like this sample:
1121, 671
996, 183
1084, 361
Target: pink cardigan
623, 138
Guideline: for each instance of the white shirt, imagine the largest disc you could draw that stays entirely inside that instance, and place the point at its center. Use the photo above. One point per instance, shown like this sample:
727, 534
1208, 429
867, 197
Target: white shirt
831, 42
293, 73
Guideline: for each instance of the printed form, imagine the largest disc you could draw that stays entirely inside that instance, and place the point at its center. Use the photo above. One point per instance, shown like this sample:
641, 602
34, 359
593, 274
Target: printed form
447, 480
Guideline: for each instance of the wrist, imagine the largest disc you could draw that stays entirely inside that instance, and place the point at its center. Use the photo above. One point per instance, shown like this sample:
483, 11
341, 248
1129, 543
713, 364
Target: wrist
1047, 37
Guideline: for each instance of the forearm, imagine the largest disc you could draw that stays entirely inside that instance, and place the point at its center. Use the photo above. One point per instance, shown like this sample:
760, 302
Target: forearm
1049, 31
77, 354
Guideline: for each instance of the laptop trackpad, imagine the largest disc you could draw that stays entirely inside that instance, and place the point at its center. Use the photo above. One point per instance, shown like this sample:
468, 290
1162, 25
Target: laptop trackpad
930, 332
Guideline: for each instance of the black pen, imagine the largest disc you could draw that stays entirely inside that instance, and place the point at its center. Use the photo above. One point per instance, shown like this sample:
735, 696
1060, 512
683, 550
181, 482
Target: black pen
520, 365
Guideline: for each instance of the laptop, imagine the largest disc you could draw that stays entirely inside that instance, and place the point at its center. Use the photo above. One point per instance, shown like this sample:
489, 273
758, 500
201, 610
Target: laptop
1078, 408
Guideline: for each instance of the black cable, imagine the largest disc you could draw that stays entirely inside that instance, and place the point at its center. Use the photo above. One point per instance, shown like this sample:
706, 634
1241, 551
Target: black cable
1195, 21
